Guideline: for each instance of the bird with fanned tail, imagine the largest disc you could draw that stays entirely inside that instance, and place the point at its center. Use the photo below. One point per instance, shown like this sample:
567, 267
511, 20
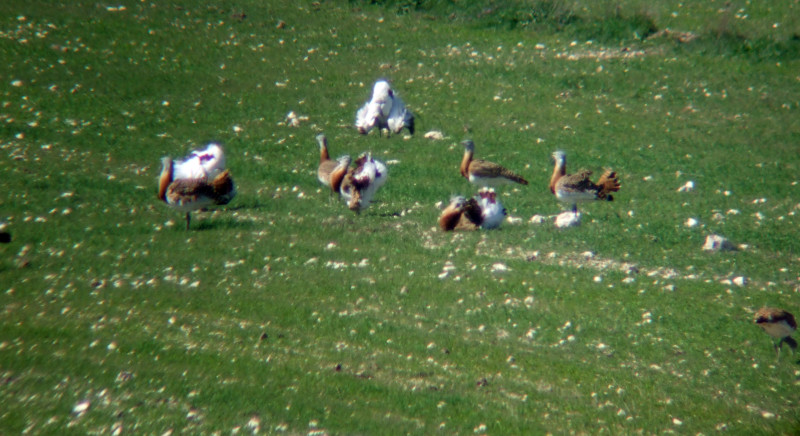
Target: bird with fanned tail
362, 182
574, 188
484, 173
480, 212
384, 110
197, 181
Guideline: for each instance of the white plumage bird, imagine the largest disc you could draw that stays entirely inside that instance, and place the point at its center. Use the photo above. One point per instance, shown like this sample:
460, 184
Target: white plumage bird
197, 181
207, 163
384, 110
363, 181
492, 212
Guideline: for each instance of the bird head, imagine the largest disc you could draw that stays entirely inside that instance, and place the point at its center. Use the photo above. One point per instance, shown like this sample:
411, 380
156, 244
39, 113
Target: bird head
322, 140
468, 145
381, 90
559, 157
457, 202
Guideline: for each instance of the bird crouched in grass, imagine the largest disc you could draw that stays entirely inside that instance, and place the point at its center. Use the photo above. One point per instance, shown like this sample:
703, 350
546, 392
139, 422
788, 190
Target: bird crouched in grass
779, 324
196, 182
384, 110
482, 211
330, 172
572, 188
484, 173
362, 182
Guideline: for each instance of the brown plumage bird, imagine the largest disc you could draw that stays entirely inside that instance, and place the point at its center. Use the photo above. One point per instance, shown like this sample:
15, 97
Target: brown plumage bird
485, 173
461, 214
779, 324
482, 211
572, 188
190, 194
330, 172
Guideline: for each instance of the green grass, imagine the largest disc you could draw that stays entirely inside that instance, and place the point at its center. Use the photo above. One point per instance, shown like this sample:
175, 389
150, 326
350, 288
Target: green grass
286, 313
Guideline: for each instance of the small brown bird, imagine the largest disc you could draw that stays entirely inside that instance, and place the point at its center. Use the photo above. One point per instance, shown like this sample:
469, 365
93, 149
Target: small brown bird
484, 173
190, 194
779, 324
572, 188
330, 172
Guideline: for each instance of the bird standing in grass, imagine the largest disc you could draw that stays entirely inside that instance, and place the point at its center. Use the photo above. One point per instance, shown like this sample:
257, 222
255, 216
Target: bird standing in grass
384, 110
198, 181
362, 182
330, 172
484, 173
572, 188
779, 324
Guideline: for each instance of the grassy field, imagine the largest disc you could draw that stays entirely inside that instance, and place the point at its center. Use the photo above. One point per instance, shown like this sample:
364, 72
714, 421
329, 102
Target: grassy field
284, 312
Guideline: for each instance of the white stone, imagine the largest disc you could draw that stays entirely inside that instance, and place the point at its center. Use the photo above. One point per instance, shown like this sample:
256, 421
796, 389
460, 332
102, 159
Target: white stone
499, 267
568, 219
513, 220
687, 187
434, 135
537, 219
717, 243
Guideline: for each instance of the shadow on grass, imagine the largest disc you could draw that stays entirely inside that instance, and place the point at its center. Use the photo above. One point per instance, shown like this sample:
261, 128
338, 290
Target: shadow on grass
246, 206
220, 224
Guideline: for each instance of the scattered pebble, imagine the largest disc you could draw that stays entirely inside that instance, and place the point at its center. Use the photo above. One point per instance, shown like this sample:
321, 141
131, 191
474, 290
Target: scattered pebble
568, 219
434, 135
513, 220
499, 267
717, 243
537, 219
687, 187
81, 407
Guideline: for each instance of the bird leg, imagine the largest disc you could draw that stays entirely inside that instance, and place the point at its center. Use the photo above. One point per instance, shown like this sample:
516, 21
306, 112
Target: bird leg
791, 342
574, 207
188, 218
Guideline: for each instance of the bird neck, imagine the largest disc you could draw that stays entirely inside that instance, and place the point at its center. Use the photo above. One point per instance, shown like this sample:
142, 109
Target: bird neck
465, 162
165, 179
337, 177
323, 152
559, 171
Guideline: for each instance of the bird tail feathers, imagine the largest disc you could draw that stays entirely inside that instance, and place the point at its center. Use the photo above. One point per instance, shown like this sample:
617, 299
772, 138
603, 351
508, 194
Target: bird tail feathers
608, 183
223, 188
791, 342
